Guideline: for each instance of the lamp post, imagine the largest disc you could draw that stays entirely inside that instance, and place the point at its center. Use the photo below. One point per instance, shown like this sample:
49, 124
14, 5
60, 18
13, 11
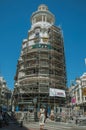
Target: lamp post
35, 108
17, 95
8, 97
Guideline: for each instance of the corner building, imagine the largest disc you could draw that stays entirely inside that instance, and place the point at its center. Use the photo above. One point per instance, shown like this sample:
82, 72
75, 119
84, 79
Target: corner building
41, 65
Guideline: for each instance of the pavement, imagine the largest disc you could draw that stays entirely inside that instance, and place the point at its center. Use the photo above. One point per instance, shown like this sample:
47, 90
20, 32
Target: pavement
49, 125
15, 127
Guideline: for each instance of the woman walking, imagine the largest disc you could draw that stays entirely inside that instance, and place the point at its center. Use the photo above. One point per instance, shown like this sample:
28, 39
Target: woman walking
42, 117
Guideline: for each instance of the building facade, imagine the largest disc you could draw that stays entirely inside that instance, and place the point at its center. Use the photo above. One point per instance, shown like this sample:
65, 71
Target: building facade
78, 93
41, 65
5, 94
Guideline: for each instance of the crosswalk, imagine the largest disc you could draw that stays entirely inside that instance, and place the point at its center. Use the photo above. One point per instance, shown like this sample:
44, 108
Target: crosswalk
48, 126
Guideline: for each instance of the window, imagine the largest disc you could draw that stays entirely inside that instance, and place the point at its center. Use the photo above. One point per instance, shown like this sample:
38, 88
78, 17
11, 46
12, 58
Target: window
83, 83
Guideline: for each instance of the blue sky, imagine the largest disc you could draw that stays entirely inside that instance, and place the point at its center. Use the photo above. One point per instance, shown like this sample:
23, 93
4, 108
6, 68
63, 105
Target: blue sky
15, 23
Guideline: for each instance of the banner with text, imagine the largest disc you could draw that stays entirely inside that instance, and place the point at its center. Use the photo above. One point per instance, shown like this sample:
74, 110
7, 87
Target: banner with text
57, 92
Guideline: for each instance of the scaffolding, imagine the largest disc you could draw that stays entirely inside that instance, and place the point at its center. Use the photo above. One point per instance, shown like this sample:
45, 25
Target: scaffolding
41, 65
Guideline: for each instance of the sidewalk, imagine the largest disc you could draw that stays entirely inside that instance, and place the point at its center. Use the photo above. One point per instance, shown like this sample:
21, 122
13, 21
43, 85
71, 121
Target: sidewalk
16, 127
49, 125
52, 125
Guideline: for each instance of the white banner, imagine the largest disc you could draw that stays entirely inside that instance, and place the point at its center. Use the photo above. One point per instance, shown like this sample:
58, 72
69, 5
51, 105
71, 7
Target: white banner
57, 92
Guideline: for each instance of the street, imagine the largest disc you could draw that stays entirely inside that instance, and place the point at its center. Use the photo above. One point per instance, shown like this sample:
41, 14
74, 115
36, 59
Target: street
55, 126
35, 126
49, 125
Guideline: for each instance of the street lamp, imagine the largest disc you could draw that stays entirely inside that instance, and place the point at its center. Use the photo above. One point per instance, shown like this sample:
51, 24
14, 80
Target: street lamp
35, 108
17, 92
8, 97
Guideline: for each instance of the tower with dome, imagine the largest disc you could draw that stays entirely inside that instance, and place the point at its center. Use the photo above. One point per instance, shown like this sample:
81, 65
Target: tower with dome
41, 64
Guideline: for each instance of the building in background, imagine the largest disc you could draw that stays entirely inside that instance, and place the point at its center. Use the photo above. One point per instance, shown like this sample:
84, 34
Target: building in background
78, 93
41, 65
5, 94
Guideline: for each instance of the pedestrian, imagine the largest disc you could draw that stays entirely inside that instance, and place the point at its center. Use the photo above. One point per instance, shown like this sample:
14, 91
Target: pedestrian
5, 118
1, 119
52, 114
28, 115
76, 120
22, 118
42, 117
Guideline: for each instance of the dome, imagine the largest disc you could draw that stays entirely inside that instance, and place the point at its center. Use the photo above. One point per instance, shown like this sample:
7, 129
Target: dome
42, 16
42, 7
